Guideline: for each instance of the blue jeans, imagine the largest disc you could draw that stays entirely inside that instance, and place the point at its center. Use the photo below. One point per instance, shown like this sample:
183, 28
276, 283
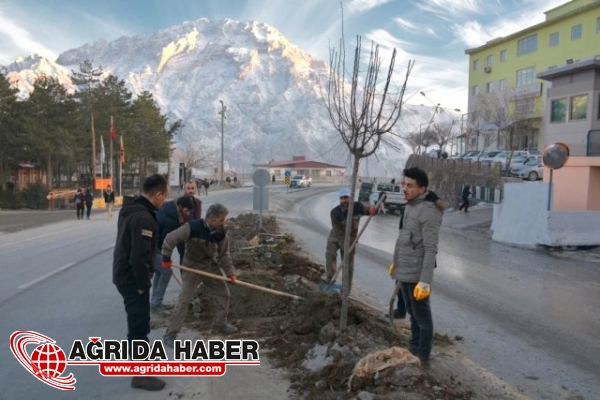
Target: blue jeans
421, 323
160, 281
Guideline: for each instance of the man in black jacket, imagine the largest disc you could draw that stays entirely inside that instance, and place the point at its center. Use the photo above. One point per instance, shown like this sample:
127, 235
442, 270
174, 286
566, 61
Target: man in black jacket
137, 232
169, 217
465, 198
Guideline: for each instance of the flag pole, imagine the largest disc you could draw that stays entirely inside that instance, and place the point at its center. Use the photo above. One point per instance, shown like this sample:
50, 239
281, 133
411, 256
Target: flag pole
112, 139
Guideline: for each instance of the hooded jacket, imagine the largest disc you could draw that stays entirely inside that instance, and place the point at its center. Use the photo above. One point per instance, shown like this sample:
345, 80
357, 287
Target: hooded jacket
137, 232
416, 247
169, 218
338, 221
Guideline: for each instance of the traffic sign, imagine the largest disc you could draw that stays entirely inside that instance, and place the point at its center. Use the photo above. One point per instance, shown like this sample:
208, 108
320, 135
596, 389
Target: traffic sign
287, 180
261, 177
288, 173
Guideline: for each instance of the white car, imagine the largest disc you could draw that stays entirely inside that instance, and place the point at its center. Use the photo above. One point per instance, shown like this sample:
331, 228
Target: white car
532, 170
301, 181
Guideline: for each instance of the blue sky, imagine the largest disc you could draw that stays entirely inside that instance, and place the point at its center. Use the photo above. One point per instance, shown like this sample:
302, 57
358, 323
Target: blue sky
435, 33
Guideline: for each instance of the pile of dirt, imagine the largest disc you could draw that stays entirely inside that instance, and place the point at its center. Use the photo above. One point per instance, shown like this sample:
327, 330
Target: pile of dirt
302, 336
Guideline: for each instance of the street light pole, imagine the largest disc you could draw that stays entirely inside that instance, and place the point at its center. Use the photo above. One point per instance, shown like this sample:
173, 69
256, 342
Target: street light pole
222, 112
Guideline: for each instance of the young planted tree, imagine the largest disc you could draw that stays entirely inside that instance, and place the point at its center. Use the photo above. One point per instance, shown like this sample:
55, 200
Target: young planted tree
364, 105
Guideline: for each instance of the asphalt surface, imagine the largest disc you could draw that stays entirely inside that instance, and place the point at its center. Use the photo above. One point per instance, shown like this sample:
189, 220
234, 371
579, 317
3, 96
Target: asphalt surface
528, 318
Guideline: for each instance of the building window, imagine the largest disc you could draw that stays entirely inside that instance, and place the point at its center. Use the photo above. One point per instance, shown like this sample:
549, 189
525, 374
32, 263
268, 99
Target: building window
489, 88
475, 65
489, 60
558, 110
503, 56
576, 32
554, 39
579, 107
328, 173
503, 84
527, 45
475, 90
525, 76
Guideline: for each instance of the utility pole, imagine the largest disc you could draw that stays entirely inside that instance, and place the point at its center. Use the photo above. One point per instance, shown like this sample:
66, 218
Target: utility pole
222, 112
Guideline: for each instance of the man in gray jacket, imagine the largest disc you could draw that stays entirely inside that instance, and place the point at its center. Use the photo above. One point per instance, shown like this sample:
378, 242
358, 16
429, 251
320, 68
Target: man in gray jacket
415, 257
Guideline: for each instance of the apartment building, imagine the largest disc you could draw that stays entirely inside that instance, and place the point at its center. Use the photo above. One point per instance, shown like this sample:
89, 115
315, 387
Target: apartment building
506, 98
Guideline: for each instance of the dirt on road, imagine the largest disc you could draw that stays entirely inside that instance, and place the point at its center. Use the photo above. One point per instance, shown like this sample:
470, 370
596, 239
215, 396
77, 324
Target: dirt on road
303, 336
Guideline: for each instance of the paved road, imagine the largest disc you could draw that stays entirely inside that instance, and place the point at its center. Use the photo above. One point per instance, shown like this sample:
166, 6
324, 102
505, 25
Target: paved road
529, 318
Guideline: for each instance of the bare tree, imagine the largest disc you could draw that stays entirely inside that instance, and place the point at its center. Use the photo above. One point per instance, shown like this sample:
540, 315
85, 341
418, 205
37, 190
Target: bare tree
413, 139
362, 108
195, 155
440, 134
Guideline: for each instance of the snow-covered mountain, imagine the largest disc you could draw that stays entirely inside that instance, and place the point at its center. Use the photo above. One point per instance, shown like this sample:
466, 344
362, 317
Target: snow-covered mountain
271, 89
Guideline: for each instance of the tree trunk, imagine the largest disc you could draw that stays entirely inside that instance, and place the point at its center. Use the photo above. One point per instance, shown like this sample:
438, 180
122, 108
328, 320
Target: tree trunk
347, 243
93, 151
49, 171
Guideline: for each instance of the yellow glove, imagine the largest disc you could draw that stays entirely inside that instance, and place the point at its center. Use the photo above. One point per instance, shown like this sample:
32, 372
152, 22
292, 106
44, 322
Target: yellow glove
422, 291
391, 269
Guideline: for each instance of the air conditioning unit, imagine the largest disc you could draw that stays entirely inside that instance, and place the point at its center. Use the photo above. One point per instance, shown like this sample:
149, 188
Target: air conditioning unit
487, 70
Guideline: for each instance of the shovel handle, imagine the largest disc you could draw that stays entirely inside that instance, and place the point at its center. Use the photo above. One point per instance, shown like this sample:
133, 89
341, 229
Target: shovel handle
237, 282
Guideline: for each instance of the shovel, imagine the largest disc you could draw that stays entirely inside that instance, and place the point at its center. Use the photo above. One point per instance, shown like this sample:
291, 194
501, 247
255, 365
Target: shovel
328, 287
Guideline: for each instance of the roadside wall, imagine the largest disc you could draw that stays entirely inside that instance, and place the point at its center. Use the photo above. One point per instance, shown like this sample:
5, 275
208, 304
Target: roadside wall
447, 177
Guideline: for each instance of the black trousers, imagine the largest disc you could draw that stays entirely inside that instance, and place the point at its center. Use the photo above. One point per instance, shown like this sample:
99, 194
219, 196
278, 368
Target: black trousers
88, 207
465, 204
137, 307
80, 210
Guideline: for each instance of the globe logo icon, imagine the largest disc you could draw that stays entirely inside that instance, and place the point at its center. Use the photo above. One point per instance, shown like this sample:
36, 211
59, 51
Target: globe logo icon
48, 360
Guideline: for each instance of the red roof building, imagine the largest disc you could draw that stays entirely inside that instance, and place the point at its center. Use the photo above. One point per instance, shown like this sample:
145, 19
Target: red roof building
299, 165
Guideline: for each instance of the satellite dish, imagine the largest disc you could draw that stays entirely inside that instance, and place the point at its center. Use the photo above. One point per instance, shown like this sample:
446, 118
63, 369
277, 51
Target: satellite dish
555, 155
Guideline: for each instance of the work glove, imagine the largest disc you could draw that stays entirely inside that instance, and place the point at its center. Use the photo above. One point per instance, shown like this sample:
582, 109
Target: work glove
391, 269
166, 262
233, 278
372, 211
422, 291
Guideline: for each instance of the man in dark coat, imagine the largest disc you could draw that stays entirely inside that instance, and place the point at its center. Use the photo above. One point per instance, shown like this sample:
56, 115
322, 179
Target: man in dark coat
190, 189
465, 198
137, 232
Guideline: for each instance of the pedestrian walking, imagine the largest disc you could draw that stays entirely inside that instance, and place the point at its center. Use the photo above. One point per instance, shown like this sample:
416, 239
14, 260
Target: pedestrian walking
169, 218
335, 241
190, 189
109, 200
415, 257
137, 232
206, 184
79, 203
465, 198
89, 201
273, 180
207, 249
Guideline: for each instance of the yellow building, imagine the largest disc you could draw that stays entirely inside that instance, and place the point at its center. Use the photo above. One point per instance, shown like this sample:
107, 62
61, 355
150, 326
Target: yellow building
506, 99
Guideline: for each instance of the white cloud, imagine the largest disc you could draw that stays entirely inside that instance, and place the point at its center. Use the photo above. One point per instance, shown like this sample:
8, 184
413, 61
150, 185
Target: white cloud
405, 24
451, 7
22, 41
357, 6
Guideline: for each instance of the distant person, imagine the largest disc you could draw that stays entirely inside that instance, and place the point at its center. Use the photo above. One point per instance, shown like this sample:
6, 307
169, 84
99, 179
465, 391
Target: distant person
273, 180
382, 209
109, 200
335, 241
89, 201
190, 191
137, 232
79, 203
169, 218
465, 198
207, 249
206, 185
393, 181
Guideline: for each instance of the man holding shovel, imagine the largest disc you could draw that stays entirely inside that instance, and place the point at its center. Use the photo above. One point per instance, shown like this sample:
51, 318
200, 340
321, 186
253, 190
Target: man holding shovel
335, 241
206, 241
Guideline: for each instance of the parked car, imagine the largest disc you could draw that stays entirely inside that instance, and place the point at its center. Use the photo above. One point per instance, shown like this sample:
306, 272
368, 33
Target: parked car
395, 195
531, 170
522, 159
301, 181
366, 188
471, 155
502, 157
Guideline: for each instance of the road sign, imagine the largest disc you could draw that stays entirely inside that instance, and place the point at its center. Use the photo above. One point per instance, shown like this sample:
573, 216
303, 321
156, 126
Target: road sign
287, 180
261, 177
288, 173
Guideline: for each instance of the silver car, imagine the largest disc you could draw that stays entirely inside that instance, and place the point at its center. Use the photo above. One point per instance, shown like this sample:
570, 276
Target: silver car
532, 170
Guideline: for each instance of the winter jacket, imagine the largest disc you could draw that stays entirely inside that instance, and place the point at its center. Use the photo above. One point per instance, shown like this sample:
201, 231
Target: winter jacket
137, 231
196, 212
79, 199
169, 218
109, 197
417, 243
338, 221
204, 249
466, 192
89, 199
